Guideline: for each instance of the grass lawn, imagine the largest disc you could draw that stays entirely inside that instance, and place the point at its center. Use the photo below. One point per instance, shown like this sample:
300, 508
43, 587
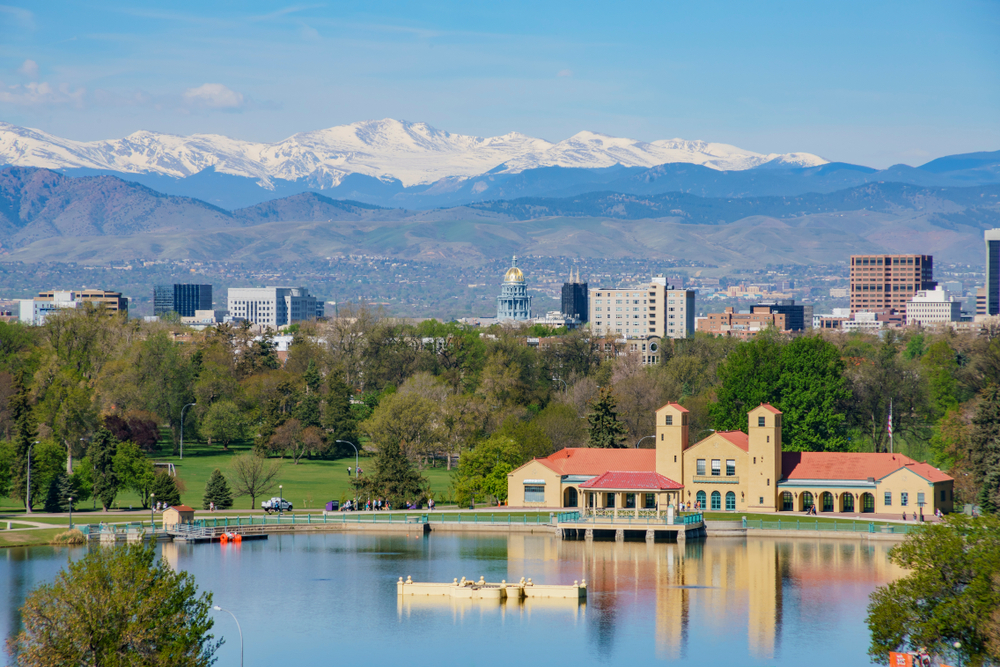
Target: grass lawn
28, 538
789, 518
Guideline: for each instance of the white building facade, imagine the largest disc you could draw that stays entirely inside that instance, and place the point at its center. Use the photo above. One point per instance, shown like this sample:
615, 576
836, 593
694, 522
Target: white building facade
273, 306
642, 311
930, 307
34, 311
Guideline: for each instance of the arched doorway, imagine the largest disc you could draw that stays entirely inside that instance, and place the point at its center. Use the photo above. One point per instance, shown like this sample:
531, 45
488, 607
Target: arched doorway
826, 501
730, 502
716, 500
867, 503
807, 501
701, 499
847, 502
570, 497
787, 502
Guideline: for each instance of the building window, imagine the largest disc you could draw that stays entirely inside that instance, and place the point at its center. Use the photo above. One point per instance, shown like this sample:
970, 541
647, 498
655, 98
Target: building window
888, 499
904, 498
609, 500
760, 421
730, 467
534, 494
716, 500
669, 420
920, 498
701, 467
630, 501
730, 502
649, 501
701, 499
716, 467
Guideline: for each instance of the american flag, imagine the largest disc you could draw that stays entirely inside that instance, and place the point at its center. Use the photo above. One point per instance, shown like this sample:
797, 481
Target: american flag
890, 421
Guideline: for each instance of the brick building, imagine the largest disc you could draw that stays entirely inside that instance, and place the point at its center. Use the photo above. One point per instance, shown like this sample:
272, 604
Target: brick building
887, 282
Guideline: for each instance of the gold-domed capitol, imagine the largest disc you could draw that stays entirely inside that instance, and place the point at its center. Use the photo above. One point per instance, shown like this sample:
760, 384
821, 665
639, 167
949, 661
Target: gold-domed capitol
514, 302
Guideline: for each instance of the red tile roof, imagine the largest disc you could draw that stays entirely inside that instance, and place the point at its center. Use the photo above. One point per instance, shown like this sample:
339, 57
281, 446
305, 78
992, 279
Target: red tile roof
738, 438
929, 472
676, 406
181, 508
855, 466
594, 461
768, 406
629, 480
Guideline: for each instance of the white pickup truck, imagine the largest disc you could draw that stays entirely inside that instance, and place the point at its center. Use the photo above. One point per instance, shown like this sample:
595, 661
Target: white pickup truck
275, 505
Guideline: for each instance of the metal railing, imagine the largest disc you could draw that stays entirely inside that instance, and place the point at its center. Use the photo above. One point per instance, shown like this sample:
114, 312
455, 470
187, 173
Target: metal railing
492, 518
629, 518
832, 526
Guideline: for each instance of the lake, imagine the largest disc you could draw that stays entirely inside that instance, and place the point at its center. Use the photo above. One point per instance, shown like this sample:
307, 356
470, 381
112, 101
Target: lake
322, 599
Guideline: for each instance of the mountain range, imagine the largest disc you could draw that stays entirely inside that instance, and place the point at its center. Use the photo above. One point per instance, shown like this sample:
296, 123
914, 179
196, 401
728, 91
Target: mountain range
45, 215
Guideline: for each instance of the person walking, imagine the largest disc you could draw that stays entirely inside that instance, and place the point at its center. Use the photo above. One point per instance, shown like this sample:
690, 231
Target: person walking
348, 471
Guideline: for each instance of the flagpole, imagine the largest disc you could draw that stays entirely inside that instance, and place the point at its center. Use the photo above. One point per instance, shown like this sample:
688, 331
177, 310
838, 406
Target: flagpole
890, 427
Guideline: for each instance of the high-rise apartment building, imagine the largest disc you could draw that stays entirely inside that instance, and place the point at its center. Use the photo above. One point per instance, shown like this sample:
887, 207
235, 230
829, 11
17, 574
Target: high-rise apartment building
651, 309
183, 299
574, 298
888, 282
992, 271
273, 306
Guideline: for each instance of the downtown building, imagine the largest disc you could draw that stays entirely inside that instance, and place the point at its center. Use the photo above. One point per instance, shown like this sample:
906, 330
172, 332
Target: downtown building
643, 311
273, 306
183, 299
34, 311
575, 298
888, 282
988, 299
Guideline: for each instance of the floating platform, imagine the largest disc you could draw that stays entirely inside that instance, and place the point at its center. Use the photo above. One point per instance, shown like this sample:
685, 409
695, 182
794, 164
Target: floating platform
484, 590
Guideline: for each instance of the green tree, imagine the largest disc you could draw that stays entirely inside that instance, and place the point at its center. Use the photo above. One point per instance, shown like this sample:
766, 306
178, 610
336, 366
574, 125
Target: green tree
6, 463
217, 491
983, 457
562, 425
940, 364
812, 393
409, 420
605, 429
54, 498
750, 375
165, 488
134, 470
83, 480
338, 417
949, 594
482, 471
25, 435
395, 479
223, 422
117, 607
101, 452
48, 461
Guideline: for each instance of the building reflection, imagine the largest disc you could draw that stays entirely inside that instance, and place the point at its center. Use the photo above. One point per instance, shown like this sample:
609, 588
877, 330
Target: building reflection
746, 576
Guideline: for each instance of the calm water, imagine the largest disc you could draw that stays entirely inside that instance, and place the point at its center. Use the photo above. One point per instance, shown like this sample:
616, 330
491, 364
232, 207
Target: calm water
331, 599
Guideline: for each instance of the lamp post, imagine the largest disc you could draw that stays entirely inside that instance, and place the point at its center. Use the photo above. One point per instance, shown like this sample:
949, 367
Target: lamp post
71, 512
958, 654
346, 442
559, 379
182, 427
645, 438
218, 608
27, 500
152, 516
281, 499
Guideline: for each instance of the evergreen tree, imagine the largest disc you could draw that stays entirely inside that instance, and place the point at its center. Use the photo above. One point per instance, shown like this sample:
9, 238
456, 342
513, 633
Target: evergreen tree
338, 418
101, 452
984, 449
58, 494
312, 377
25, 435
394, 480
217, 491
308, 410
166, 489
605, 429
67, 491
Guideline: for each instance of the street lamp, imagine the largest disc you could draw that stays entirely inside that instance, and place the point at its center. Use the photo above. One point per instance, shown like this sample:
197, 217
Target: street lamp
355, 455
218, 608
152, 516
958, 648
71, 512
559, 379
645, 438
182, 427
28, 493
281, 498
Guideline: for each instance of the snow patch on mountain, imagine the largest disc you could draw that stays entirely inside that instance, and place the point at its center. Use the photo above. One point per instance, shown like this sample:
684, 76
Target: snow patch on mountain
413, 153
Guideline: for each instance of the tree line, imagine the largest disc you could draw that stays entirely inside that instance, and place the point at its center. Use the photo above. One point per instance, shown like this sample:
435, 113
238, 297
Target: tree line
94, 388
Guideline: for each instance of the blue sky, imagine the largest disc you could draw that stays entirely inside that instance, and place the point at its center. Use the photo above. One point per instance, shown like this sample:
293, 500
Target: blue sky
869, 82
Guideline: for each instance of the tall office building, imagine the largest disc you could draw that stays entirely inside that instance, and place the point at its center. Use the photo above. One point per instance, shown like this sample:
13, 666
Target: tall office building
273, 306
888, 282
651, 309
992, 271
574, 297
184, 299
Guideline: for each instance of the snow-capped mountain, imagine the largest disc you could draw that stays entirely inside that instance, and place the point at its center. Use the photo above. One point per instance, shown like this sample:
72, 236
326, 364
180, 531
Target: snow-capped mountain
413, 153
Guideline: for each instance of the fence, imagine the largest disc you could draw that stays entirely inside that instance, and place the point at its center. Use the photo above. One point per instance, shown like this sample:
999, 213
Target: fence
629, 519
834, 526
493, 518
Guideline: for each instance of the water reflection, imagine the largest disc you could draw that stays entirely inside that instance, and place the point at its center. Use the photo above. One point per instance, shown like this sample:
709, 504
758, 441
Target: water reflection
303, 599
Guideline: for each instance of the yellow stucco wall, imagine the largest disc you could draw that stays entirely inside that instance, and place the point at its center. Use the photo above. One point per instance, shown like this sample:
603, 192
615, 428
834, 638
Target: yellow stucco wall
909, 482
534, 470
715, 447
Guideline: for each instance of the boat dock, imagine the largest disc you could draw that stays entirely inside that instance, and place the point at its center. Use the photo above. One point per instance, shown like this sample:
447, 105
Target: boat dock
482, 590
624, 525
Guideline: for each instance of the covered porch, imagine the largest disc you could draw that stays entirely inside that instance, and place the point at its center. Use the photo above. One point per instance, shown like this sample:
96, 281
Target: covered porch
617, 494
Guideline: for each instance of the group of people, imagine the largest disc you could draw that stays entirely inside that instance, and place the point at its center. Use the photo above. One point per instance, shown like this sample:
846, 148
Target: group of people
380, 505
350, 470
160, 507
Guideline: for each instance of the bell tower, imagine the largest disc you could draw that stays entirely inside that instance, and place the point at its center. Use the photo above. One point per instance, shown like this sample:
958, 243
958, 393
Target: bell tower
765, 458
671, 441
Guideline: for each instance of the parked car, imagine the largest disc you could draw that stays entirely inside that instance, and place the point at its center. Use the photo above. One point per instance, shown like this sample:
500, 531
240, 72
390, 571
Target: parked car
276, 504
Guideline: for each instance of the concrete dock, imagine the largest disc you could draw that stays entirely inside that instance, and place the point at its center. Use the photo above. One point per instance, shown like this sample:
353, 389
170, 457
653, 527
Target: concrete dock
484, 590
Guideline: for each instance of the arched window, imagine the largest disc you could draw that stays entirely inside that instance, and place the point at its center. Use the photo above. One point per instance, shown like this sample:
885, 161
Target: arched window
730, 502
701, 499
807, 500
847, 500
826, 500
716, 500
571, 497
867, 503
787, 502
